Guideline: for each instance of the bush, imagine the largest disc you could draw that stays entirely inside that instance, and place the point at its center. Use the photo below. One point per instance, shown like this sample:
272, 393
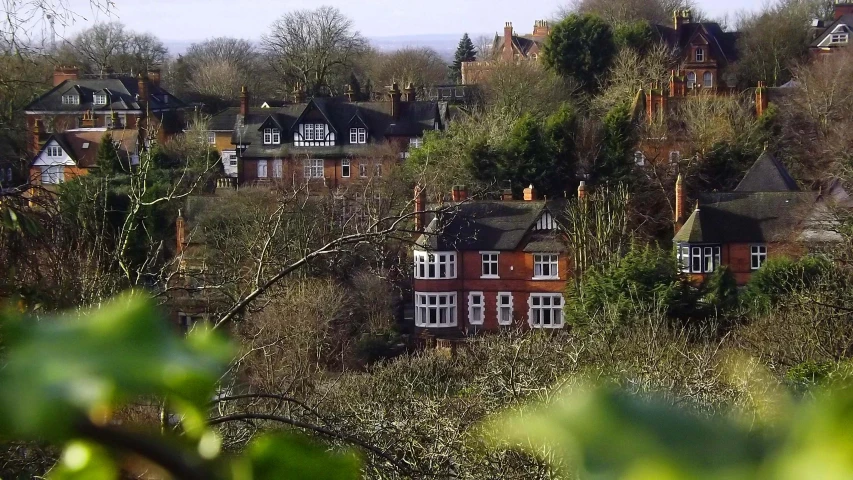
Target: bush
779, 278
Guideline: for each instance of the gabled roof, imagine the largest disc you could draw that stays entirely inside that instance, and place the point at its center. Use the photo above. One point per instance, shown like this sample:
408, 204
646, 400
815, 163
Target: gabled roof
822, 40
123, 93
723, 43
491, 225
767, 174
82, 145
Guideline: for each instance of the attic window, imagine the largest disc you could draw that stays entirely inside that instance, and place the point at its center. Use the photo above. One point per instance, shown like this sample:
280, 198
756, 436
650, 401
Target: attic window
85, 145
272, 136
700, 54
357, 135
838, 38
54, 151
100, 99
71, 100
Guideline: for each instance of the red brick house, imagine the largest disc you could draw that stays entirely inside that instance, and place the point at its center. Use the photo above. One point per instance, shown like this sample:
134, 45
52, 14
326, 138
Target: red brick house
836, 34
73, 153
765, 216
326, 143
508, 47
489, 265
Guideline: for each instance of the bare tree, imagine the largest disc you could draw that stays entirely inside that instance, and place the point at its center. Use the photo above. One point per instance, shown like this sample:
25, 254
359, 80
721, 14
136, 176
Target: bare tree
421, 66
625, 11
219, 67
107, 46
311, 47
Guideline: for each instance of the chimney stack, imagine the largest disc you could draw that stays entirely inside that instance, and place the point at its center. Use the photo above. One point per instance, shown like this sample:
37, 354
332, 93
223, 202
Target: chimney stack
679, 202
181, 232
842, 8
761, 100
409, 93
682, 17
350, 93
395, 101
244, 101
582, 190
541, 29
508, 53
529, 194
459, 193
298, 94
142, 85
61, 74
506, 195
154, 76
420, 208
36, 138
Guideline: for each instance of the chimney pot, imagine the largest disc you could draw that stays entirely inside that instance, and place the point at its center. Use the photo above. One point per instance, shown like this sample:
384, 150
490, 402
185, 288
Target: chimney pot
244, 101
63, 73
394, 93
679, 203
582, 190
459, 193
529, 194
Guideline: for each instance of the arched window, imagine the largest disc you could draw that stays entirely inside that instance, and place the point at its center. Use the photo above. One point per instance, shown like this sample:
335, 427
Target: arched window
691, 80
700, 54
708, 80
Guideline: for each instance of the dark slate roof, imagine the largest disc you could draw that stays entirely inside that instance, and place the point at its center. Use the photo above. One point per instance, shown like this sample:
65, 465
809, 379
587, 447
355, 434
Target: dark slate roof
490, 225
843, 20
767, 174
722, 42
746, 217
524, 43
415, 118
224, 120
121, 95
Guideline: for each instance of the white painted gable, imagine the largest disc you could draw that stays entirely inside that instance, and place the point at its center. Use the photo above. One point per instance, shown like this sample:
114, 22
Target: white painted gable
44, 160
545, 222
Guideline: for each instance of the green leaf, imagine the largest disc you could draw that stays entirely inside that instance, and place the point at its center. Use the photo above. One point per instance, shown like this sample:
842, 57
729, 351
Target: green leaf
84, 461
61, 370
286, 457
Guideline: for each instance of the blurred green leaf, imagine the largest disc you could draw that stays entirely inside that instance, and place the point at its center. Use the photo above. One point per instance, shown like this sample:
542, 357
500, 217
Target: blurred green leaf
84, 461
58, 370
288, 457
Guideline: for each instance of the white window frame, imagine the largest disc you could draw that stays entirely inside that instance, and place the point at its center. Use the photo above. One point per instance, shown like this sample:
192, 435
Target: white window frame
262, 169
639, 159
700, 54
540, 303
313, 168
476, 310
491, 259
71, 99
357, 135
362, 170
435, 265
272, 136
362, 135
211, 138
416, 142
757, 256
320, 132
837, 38
707, 80
377, 170
54, 151
277, 168
444, 306
546, 266
345, 168
505, 308
52, 174
309, 132
699, 258
100, 99
691, 79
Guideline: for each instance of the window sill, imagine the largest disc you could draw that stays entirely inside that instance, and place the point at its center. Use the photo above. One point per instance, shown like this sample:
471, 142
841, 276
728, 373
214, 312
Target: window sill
490, 277
546, 278
547, 327
449, 325
435, 278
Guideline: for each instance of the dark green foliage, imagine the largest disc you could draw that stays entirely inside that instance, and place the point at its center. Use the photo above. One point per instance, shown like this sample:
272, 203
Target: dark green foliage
465, 52
781, 278
805, 376
581, 47
720, 291
637, 35
109, 159
615, 162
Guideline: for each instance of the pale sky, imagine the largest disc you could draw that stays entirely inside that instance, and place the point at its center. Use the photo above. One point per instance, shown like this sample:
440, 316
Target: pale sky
191, 20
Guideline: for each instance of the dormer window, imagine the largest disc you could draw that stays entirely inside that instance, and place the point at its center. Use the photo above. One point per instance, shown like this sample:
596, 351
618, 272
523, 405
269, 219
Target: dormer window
357, 135
839, 38
54, 151
272, 136
71, 100
100, 99
700, 54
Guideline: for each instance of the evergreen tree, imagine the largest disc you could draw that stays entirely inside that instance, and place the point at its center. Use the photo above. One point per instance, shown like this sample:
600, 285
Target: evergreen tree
108, 160
581, 47
614, 163
465, 52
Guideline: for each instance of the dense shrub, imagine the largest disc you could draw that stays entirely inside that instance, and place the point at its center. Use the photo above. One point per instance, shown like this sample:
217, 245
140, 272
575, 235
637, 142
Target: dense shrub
780, 277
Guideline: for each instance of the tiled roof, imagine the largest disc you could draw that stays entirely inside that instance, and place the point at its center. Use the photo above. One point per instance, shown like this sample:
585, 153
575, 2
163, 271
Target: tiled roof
767, 174
82, 145
121, 95
724, 43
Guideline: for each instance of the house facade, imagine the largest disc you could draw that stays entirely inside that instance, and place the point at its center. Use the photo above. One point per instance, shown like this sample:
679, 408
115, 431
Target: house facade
767, 215
490, 265
72, 153
508, 47
833, 35
323, 143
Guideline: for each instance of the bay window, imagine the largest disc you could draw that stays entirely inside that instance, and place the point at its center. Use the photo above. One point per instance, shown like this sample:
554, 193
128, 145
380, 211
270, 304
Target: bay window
435, 310
546, 310
435, 265
698, 258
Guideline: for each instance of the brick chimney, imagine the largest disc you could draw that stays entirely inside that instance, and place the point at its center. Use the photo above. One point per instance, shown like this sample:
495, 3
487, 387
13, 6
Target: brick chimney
582, 191
541, 29
244, 101
679, 203
409, 94
420, 208
154, 76
298, 94
508, 52
761, 100
459, 193
677, 85
506, 195
61, 74
529, 194
682, 17
180, 232
35, 146
350, 93
142, 86
394, 93
841, 9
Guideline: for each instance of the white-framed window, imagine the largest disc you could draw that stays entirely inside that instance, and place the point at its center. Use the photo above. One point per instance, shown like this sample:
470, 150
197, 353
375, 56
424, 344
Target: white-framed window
309, 131
691, 79
54, 151
313, 167
262, 169
546, 310
700, 54
211, 138
416, 142
435, 310
476, 308
362, 170
357, 135
708, 80
100, 99
839, 38
272, 136
345, 168
320, 131
52, 174
699, 258
71, 100
546, 266
377, 170
489, 262
505, 308
277, 168
435, 265
758, 255
639, 158
674, 157
232, 159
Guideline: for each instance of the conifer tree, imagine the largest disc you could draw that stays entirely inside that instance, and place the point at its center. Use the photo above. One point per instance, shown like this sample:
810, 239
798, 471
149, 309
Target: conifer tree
465, 52
108, 159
